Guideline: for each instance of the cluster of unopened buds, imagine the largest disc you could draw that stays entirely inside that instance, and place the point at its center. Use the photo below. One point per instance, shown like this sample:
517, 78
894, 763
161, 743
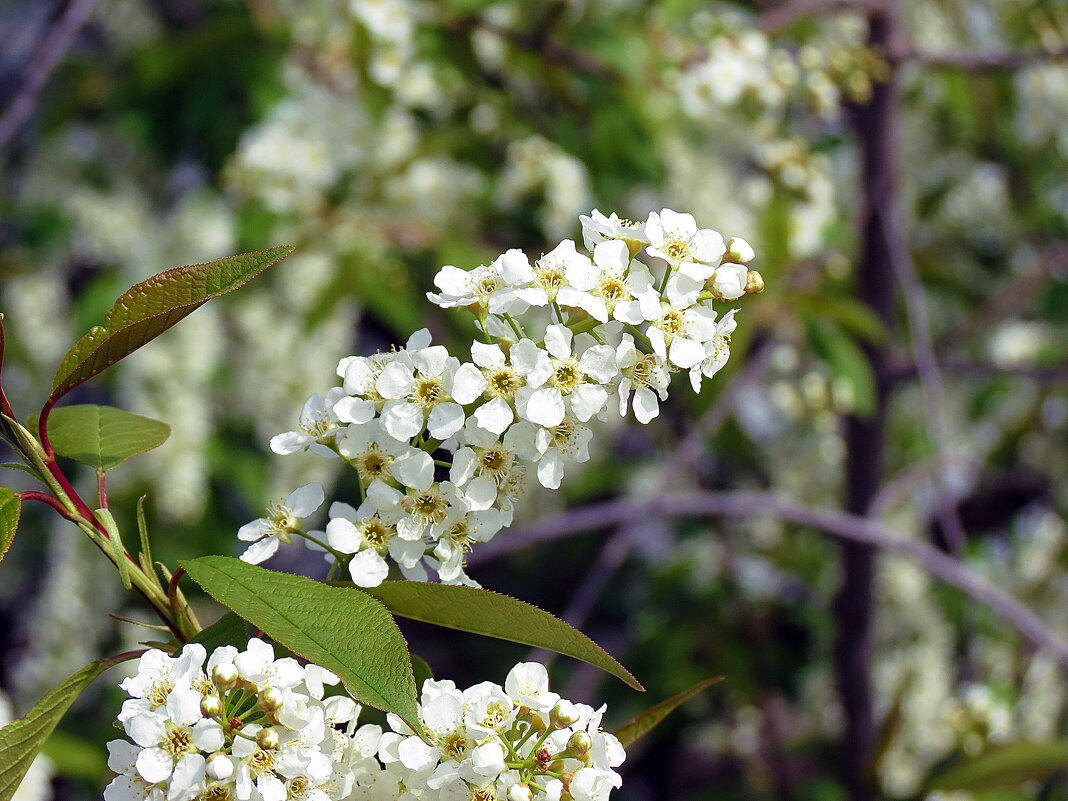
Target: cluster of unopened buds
443, 448
246, 726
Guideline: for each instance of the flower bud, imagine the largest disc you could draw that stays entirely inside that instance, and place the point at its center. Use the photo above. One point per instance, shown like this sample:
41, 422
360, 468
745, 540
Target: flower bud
270, 699
564, 714
267, 739
225, 676
210, 706
579, 744
754, 283
520, 792
219, 767
739, 251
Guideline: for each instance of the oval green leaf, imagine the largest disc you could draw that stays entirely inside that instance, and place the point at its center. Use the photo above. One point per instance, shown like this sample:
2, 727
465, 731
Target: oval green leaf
340, 629
101, 436
149, 308
1005, 765
491, 614
641, 725
10, 511
22, 739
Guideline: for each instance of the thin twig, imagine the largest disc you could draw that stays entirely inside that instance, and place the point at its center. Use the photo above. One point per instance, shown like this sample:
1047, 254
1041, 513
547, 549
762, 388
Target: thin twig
53, 48
853, 528
931, 384
34, 495
1004, 61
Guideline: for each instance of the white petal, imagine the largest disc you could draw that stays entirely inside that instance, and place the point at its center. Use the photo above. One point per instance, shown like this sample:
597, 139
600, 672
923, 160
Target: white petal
646, 406
414, 469
401, 420
154, 765
395, 382
468, 384
368, 569
343, 536
290, 442
494, 416
445, 420
481, 493
260, 551
558, 341
686, 352
545, 407
354, 410
305, 500
551, 470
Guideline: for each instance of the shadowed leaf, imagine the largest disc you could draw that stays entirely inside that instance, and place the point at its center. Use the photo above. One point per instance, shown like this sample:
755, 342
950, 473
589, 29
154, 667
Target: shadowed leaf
101, 436
10, 510
22, 739
1005, 765
641, 725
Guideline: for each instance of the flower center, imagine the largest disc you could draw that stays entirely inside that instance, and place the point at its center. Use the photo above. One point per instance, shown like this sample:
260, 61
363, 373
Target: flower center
503, 382
161, 689
176, 740
318, 424
261, 761
375, 532
298, 787
454, 745
427, 505
495, 463
549, 275
428, 391
482, 794
495, 715
373, 463
486, 285
644, 372
217, 792
567, 376
613, 290
677, 247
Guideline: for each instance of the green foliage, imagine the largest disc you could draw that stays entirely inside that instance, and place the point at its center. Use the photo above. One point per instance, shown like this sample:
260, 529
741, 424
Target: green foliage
227, 630
491, 614
340, 629
149, 308
10, 511
22, 739
102, 437
1003, 765
641, 725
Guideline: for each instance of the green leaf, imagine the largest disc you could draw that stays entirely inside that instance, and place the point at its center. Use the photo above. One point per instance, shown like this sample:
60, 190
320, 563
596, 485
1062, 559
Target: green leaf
10, 511
340, 629
149, 308
421, 669
227, 630
22, 739
852, 315
641, 725
76, 758
17, 466
1005, 765
491, 614
102, 437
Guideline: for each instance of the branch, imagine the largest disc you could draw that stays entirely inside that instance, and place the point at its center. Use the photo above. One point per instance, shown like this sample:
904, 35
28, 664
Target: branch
983, 62
53, 48
852, 528
785, 14
539, 42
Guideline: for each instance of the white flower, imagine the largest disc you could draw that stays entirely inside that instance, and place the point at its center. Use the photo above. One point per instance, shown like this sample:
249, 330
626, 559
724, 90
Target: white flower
360, 374
318, 425
729, 281
717, 351
266, 533
643, 373
574, 386
489, 287
597, 228
416, 386
378, 456
549, 275
679, 335
527, 684
676, 238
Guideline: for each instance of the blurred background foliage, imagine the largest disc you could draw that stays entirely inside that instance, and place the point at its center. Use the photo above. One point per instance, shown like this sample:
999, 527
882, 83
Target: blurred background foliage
386, 138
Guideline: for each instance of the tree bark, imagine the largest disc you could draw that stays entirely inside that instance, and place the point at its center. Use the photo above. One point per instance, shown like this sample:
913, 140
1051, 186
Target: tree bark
874, 123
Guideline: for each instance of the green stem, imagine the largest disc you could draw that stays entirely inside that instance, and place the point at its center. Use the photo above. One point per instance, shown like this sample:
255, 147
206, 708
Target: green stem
641, 337
512, 323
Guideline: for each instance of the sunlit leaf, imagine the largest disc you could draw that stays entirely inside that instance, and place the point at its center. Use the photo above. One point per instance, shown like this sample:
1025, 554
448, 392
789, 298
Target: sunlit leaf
102, 437
149, 308
340, 629
10, 510
1004, 765
491, 614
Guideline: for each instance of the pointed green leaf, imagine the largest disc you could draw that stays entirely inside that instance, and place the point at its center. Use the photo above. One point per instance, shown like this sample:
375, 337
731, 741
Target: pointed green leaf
101, 436
22, 739
1005, 765
641, 725
18, 466
340, 629
149, 308
421, 669
10, 511
491, 614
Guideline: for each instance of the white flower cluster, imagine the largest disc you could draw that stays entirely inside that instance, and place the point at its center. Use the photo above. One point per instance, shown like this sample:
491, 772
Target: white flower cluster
443, 447
246, 726
518, 742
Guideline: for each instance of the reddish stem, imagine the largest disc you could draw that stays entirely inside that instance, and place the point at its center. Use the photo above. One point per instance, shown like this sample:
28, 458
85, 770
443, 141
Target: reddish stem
57, 474
102, 489
33, 495
3, 398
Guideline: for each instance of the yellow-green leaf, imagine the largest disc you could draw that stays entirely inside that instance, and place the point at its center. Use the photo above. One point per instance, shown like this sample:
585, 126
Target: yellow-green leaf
341, 629
149, 308
20, 740
10, 510
101, 436
1004, 765
491, 614
641, 725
